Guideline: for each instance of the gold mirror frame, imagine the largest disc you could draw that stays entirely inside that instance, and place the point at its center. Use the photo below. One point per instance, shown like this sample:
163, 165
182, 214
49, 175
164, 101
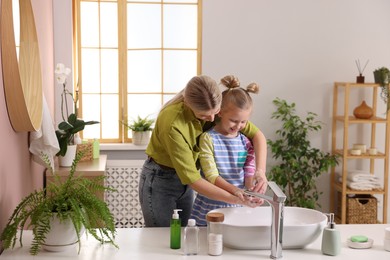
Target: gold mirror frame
22, 80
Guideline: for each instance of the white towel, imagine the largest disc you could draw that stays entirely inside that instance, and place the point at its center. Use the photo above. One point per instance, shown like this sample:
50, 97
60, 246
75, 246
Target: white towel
359, 185
362, 185
357, 176
44, 140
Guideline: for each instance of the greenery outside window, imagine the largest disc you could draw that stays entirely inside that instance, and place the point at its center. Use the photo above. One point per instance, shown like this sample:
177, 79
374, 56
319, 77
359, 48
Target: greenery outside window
130, 58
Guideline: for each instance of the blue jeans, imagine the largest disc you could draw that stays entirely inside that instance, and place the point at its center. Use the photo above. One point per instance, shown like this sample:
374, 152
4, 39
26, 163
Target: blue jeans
160, 192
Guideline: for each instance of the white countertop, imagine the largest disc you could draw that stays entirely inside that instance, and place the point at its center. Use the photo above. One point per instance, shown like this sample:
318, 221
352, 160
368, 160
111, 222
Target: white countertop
153, 243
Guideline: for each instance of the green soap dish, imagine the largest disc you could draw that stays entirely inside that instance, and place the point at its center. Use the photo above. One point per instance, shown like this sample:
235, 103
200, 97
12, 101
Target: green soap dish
359, 239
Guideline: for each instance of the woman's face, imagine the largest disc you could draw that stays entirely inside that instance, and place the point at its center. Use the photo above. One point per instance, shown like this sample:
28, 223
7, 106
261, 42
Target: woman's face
208, 115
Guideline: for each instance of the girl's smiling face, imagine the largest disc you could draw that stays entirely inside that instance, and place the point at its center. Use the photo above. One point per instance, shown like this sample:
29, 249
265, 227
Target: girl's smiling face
232, 120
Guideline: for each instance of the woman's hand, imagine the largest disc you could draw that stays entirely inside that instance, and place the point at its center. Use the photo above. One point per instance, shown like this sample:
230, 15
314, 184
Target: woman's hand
260, 182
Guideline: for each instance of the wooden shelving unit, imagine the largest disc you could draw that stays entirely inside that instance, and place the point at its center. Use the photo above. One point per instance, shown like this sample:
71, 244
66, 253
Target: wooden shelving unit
344, 120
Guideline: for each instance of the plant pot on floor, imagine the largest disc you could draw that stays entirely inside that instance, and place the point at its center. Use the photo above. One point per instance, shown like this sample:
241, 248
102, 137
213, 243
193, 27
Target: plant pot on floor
67, 159
141, 138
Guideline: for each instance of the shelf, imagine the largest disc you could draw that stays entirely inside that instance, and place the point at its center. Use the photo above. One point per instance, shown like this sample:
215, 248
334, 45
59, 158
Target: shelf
363, 156
339, 187
342, 119
356, 85
354, 120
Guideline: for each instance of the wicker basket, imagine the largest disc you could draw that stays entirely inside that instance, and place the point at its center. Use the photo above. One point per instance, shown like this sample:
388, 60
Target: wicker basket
87, 150
362, 210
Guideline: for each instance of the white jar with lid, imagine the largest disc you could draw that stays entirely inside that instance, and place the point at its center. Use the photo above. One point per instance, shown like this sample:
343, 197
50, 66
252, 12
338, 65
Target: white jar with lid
214, 232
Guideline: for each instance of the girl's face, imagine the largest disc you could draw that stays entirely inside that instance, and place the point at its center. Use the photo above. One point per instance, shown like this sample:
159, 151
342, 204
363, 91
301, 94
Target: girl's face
208, 115
233, 119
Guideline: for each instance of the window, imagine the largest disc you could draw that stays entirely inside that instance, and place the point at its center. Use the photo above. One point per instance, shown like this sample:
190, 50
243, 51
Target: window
131, 57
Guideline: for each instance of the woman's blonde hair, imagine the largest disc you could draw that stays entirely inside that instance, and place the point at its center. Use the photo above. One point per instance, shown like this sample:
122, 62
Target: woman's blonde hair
201, 94
235, 94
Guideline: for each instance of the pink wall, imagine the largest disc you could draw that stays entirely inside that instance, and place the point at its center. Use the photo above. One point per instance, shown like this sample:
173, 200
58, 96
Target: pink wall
19, 175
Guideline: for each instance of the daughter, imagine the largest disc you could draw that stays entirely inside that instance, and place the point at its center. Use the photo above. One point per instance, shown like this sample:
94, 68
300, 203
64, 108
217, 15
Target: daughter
226, 155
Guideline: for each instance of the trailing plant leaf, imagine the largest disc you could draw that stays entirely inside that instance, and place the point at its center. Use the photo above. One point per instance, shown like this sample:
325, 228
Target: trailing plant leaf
299, 164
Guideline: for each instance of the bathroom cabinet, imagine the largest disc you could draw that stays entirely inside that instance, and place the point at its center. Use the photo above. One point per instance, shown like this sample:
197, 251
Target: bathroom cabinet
348, 130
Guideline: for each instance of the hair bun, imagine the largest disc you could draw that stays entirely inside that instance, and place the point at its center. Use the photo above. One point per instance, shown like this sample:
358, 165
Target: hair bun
230, 81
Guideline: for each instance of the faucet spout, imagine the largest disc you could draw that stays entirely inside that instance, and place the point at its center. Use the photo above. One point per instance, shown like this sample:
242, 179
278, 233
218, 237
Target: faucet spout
277, 205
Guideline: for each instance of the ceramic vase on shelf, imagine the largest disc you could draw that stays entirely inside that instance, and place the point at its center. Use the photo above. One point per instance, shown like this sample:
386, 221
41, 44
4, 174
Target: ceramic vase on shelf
363, 111
67, 159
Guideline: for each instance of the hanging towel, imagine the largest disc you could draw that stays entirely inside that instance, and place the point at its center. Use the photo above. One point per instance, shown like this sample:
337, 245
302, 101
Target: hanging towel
44, 140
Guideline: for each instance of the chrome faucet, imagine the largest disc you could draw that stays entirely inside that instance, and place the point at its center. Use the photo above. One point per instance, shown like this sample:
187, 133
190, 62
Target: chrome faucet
277, 204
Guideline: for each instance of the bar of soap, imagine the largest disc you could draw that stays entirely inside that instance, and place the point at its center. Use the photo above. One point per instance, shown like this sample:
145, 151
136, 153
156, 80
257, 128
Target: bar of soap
359, 239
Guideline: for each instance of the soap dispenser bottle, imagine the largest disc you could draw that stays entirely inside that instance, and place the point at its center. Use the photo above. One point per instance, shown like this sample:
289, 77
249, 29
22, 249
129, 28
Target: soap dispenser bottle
331, 242
175, 230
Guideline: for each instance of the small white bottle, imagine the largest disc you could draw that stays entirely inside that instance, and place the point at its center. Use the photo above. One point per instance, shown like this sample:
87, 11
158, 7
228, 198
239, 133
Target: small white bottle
191, 238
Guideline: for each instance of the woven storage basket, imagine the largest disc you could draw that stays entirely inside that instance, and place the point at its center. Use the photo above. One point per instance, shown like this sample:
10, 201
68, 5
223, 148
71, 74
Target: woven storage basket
362, 210
87, 150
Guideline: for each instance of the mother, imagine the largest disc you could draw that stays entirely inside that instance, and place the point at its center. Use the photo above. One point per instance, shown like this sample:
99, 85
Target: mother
170, 174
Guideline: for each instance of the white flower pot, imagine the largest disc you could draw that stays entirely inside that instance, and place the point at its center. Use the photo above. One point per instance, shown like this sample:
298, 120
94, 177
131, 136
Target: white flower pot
67, 160
62, 236
141, 138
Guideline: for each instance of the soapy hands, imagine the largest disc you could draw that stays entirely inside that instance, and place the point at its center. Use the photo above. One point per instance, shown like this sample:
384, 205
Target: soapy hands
246, 200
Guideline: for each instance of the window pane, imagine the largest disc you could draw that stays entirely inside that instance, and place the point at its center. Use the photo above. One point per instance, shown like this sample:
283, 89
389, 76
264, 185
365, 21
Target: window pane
110, 116
142, 18
109, 72
89, 24
90, 70
143, 105
144, 71
179, 68
109, 24
166, 98
149, 1
180, 1
91, 112
180, 20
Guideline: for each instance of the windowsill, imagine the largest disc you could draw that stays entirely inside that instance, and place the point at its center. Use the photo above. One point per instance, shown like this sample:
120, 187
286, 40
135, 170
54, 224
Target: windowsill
121, 147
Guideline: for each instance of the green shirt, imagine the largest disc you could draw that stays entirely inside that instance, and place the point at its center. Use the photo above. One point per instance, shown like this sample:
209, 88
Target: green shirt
174, 141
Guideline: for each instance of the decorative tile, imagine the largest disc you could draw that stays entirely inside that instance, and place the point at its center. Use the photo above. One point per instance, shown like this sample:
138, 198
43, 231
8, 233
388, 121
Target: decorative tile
124, 202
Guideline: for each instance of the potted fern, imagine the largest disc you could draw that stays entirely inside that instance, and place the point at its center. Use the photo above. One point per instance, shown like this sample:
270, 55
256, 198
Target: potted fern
141, 129
71, 202
298, 164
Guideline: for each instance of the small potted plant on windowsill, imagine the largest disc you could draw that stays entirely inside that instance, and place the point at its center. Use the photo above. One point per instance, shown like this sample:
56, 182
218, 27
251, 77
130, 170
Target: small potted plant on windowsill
64, 207
141, 129
69, 128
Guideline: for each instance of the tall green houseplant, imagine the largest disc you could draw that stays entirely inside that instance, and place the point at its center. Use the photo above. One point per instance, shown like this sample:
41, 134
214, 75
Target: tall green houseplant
299, 164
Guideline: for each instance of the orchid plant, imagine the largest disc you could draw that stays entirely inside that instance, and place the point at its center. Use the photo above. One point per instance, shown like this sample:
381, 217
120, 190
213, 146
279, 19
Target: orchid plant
70, 124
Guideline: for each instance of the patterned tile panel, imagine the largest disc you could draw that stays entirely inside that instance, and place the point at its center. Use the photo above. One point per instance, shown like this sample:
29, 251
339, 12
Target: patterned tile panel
124, 204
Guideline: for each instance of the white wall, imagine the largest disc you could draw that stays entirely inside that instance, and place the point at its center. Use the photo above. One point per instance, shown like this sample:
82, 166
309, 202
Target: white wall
295, 50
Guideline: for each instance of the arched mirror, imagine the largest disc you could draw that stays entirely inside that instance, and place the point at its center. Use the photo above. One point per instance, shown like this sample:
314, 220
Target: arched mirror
22, 78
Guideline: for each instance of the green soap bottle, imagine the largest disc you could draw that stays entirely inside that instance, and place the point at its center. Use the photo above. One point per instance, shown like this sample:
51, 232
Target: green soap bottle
175, 230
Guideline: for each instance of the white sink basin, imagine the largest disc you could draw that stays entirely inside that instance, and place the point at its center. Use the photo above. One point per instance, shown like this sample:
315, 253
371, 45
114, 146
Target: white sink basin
250, 228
